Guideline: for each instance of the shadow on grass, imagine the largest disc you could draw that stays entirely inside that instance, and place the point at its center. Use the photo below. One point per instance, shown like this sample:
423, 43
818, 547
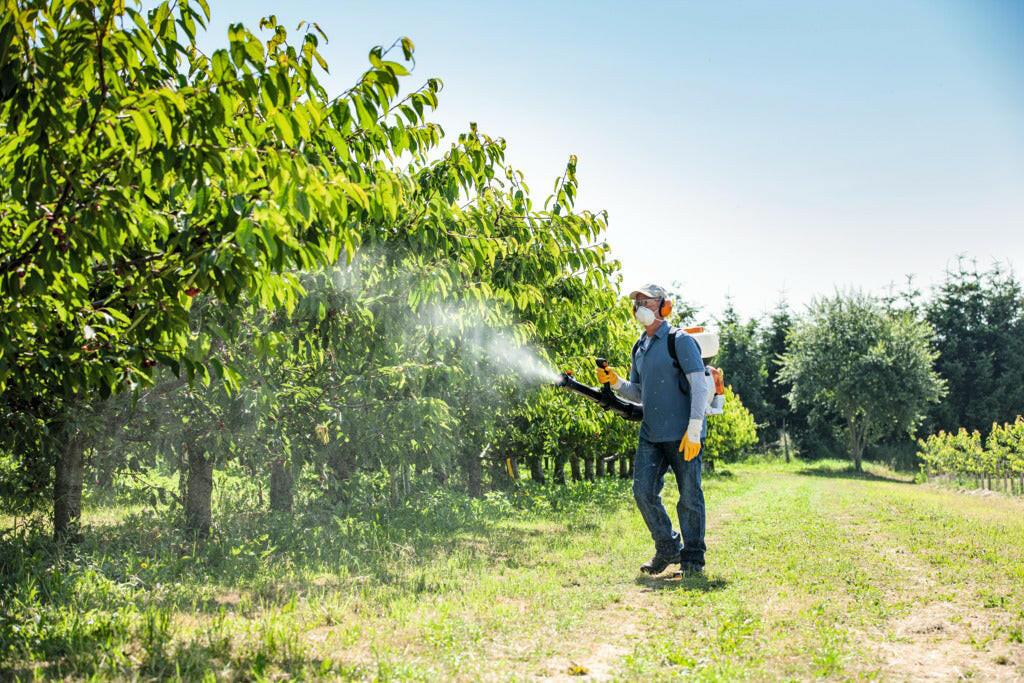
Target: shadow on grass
134, 573
268, 557
695, 583
850, 473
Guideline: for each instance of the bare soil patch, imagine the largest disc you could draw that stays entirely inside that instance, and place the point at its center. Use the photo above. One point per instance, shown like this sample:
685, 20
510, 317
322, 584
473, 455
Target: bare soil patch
947, 635
593, 651
944, 641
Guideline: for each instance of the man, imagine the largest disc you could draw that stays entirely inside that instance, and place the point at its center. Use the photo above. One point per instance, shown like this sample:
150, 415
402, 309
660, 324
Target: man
674, 396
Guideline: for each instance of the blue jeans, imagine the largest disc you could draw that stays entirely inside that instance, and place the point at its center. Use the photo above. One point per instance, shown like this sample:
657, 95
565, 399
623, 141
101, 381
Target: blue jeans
652, 461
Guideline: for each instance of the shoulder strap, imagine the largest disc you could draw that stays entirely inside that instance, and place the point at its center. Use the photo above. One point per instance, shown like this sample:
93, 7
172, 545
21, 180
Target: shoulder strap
672, 351
632, 354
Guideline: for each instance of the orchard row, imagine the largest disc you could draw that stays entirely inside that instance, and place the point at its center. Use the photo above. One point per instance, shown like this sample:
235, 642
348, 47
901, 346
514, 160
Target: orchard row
997, 458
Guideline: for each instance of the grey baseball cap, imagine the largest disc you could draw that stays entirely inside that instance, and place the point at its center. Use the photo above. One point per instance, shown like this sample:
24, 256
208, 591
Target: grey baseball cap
650, 290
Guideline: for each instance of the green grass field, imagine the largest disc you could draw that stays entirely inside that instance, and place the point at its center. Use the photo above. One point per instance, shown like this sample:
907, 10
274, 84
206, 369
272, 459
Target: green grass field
812, 573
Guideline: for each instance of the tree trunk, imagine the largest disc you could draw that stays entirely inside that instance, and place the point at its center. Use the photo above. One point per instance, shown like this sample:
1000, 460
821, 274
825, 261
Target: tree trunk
536, 469
854, 432
574, 467
281, 497
343, 466
182, 465
499, 468
588, 469
559, 468
857, 452
599, 467
474, 473
785, 440
199, 492
67, 487
624, 468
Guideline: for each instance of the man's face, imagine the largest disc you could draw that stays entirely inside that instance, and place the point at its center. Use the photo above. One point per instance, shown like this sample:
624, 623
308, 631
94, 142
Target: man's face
645, 302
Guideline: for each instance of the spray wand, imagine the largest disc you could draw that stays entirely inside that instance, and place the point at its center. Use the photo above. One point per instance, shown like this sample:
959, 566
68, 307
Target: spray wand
604, 396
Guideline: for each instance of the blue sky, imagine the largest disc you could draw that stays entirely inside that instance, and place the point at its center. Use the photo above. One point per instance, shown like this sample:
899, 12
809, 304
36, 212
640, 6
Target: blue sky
743, 149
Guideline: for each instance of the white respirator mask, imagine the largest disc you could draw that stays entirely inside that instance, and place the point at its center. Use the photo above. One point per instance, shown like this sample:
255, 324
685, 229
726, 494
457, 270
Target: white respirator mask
644, 316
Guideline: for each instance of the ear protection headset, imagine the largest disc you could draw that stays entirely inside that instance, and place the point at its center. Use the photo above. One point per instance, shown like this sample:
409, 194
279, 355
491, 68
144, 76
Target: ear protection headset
665, 308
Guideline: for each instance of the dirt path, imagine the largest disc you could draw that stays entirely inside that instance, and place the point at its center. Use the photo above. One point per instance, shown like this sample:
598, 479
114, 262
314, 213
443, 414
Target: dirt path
596, 656
943, 634
599, 646
938, 642
946, 635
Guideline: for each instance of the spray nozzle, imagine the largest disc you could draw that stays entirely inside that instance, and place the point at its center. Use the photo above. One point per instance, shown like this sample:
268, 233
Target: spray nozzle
603, 396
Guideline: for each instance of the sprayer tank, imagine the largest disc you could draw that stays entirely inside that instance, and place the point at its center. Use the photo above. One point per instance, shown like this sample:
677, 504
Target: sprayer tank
707, 340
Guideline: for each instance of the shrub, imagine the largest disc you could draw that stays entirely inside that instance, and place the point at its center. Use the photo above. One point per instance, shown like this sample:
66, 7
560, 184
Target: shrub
731, 433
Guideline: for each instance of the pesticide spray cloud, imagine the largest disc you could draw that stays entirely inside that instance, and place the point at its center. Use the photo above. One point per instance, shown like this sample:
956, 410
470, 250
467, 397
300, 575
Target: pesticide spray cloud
496, 349
364, 423
491, 349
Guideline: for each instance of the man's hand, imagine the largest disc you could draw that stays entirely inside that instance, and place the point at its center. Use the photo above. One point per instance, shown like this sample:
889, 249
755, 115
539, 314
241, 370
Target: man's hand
690, 445
606, 375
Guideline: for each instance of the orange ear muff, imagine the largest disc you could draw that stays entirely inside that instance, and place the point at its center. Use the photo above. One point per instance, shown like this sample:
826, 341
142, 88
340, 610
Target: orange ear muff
666, 308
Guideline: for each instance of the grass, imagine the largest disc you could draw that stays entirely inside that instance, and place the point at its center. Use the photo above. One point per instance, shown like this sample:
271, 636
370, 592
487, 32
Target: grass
813, 572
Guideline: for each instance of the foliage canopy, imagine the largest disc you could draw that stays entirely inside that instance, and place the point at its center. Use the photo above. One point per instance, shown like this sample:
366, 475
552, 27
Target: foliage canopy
871, 369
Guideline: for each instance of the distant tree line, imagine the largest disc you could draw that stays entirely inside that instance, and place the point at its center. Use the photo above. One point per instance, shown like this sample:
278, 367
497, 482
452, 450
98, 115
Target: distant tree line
972, 325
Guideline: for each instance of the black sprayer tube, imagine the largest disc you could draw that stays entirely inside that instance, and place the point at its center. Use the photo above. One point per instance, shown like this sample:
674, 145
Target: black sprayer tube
603, 396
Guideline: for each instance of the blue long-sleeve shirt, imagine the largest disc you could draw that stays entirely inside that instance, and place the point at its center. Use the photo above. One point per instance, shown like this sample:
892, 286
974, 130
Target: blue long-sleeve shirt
655, 383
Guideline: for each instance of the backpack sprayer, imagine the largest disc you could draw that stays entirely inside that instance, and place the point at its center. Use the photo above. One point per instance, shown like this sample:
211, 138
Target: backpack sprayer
707, 341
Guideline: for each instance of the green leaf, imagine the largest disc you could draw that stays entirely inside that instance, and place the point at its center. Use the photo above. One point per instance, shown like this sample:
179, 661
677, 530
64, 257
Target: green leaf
243, 234
144, 127
221, 63
254, 50
356, 193
165, 121
407, 47
283, 125
396, 68
375, 58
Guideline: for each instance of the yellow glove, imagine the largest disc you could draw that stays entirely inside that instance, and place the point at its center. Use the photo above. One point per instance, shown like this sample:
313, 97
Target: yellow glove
606, 375
689, 449
690, 445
